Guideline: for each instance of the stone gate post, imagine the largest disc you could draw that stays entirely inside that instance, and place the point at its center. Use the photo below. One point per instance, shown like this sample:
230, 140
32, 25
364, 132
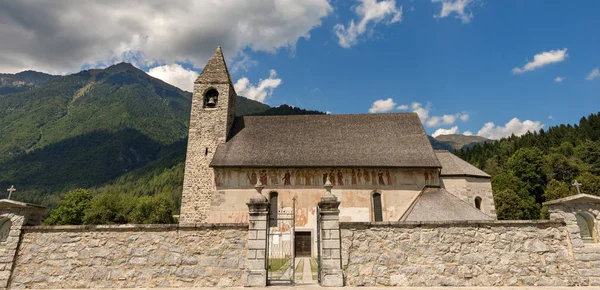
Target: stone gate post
256, 272
331, 272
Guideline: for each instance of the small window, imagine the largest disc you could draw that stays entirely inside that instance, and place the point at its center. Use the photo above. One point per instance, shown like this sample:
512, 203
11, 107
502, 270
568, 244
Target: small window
211, 97
585, 221
478, 202
273, 196
377, 208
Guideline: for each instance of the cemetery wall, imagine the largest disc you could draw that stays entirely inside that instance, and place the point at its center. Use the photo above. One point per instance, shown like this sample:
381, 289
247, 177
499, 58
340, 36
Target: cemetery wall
491, 253
127, 256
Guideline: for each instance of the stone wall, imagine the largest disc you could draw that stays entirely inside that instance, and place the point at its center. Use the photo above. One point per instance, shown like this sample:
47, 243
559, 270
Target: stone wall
491, 253
467, 188
131, 256
587, 255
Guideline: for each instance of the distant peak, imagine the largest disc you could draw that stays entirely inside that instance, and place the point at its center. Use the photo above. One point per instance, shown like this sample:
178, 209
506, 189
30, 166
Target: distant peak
122, 66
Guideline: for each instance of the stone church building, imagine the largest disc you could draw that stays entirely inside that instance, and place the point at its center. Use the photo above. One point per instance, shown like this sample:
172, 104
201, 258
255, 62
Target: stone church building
382, 166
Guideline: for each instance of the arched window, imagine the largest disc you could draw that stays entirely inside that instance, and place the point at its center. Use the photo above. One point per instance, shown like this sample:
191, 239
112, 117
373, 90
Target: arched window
273, 196
478, 202
585, 221
377, 207
5, 225
211, 97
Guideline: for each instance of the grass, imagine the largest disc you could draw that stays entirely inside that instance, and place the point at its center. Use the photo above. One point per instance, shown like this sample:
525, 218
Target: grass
299, 270
314, 269
276, 264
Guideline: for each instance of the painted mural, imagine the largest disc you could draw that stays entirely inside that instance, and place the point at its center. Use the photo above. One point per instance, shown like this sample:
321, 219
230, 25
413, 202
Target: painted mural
316, 177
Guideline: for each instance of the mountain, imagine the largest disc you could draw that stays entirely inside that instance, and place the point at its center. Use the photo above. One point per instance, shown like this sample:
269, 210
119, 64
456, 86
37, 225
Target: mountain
90, 128
459, 141
23, 81
286, 110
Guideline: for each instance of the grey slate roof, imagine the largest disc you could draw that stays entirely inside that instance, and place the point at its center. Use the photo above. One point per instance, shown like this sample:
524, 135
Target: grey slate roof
369, 140
215, 71
452, 165
437, 204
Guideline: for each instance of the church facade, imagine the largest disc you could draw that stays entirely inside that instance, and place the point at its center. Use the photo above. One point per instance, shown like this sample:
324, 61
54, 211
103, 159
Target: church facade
382, 166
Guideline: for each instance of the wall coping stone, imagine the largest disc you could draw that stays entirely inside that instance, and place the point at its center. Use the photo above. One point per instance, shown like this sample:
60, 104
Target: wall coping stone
434, 224
136, 227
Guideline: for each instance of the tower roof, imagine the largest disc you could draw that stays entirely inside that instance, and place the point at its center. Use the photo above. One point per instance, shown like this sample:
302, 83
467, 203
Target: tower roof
215, 71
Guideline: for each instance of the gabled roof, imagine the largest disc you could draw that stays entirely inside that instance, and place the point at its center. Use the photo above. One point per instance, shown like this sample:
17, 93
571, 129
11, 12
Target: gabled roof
215, 71
13, 203
437, 204
452, 165
578, 198
369, 140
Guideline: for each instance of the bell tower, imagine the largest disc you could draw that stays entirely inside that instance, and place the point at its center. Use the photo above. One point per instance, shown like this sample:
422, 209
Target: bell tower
212, 114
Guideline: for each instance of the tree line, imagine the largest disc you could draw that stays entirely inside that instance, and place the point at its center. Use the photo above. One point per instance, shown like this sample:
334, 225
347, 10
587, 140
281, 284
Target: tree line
540, 166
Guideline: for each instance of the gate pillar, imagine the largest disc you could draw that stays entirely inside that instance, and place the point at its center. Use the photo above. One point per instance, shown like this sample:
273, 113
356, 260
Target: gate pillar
258, 210
331, 271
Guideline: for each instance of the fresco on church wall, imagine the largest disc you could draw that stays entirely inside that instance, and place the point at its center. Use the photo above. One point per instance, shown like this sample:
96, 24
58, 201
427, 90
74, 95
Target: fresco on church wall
316, 177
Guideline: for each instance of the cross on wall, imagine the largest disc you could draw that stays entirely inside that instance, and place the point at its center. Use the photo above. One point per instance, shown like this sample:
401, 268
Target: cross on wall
11, 190
577, 185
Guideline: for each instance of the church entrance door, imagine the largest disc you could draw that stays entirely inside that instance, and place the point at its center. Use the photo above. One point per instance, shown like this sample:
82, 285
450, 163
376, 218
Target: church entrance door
303, 243
281, 254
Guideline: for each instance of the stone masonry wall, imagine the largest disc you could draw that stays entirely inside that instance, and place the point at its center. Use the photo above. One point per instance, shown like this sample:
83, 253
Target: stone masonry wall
493, 253
131, 256
587, 255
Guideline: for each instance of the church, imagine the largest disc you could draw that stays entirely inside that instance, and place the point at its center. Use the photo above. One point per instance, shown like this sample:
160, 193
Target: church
382, 166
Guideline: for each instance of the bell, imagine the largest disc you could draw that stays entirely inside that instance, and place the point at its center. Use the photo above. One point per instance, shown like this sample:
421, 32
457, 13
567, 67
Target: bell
211, 102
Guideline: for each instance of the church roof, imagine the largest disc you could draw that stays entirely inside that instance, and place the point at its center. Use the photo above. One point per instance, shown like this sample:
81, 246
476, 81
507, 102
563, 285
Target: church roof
437, 204
452, 165
369, 140
215, 71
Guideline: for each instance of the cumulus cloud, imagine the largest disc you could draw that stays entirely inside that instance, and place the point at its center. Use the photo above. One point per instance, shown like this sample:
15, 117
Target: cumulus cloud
63, 36
370, 13
440, 131
436, 121
382, 106
259, 92
595, 73
514, 126
176, 75
559, 79
541, 59
467, 133
455, 6
402, 107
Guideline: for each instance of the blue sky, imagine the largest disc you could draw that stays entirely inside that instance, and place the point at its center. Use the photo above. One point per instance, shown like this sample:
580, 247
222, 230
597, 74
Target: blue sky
460, 64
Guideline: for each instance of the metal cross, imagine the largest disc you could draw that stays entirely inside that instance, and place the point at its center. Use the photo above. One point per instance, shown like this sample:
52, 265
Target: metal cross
11, 190
577, 185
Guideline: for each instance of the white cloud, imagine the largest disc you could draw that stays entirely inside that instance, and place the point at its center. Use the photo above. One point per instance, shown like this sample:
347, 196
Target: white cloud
422, 112
371, 13
328, 112
455, 6
382, 106
260, 92
468, 133
464, 117
550, 117
559, 79
514, 126
595, 73
402, 107
436, 121
176, 75
63, 36
541, 59
440, 131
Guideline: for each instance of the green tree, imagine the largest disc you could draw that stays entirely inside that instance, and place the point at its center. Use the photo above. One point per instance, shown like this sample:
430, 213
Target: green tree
527, 164
157, 209
559, 167
109, 208
590, 183
589, 152
71, 208
511, 206
557, 189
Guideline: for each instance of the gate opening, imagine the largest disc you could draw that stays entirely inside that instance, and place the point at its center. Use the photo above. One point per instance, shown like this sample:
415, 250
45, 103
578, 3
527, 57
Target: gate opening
303, 244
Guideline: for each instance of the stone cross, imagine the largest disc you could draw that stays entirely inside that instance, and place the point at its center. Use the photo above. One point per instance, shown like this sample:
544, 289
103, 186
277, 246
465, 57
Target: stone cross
11, 190
577, 185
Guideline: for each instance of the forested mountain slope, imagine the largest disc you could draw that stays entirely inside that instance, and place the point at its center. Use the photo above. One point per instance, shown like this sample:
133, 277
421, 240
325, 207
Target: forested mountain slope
541, 166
